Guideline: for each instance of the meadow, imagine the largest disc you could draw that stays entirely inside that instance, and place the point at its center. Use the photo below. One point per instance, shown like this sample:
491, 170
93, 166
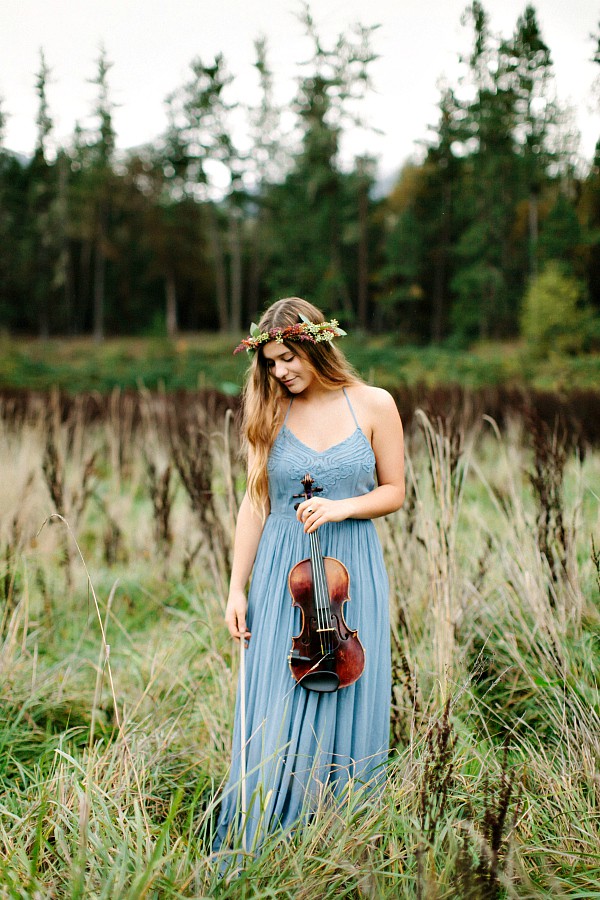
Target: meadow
205, 360
117, 675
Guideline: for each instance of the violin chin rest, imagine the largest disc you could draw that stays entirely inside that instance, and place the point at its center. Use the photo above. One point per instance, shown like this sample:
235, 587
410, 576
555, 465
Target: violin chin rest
323, 682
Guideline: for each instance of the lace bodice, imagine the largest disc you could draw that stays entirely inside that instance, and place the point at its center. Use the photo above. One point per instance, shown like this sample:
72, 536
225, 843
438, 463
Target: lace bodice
344, 470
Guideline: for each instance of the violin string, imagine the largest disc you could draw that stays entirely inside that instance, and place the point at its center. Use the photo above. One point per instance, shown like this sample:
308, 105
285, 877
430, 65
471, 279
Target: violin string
307, 483
317, 588
326, 602
323, 595
321, 591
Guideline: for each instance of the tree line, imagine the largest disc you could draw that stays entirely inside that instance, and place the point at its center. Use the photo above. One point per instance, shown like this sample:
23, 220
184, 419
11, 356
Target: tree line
201, 228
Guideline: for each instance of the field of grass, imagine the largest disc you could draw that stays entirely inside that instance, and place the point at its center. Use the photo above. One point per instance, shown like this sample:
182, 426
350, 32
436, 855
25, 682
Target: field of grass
206, 360
117, 675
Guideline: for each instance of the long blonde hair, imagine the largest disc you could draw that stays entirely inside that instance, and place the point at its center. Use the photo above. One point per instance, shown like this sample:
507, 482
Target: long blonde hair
262, 407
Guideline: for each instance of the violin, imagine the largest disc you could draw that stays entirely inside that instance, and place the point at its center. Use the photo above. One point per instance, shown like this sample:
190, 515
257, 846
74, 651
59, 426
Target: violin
326, 655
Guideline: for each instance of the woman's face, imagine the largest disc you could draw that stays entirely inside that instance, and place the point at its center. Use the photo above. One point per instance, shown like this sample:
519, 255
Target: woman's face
288, 367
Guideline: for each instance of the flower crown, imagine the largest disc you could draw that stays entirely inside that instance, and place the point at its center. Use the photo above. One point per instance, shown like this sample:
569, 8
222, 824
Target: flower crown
314, 332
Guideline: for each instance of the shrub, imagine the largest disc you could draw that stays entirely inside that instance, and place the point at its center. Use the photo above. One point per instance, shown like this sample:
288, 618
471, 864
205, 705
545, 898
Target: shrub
552, 317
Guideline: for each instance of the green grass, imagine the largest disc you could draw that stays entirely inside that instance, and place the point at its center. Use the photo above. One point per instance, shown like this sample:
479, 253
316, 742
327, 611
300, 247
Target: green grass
111, 761
206, 360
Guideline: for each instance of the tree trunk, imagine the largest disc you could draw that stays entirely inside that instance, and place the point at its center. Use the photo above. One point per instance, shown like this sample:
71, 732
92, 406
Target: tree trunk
171, 305
99, 277
235, 322
344, 293
41, 283
256, 267
43, 323
439, 273
85, 265
487, 306
66, 260
439, 281
69, 285
254, 278
220, 275
363, 256
341, 288
533, 234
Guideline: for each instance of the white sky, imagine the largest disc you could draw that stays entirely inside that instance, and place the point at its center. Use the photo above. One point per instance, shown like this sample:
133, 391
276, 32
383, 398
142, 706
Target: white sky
151, 43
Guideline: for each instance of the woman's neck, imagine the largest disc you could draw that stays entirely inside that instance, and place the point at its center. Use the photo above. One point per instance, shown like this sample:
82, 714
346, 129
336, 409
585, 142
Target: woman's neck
316, 393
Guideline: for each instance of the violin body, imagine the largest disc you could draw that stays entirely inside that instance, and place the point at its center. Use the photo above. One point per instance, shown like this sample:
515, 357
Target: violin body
326, 655
309, 664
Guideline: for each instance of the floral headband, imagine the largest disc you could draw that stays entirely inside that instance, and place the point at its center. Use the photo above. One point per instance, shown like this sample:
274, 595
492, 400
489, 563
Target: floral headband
314, 332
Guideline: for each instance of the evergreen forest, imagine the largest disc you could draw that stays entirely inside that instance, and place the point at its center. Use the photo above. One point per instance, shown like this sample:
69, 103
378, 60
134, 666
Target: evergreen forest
491, 231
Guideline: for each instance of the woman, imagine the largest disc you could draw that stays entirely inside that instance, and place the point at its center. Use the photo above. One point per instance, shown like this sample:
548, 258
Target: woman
305, 410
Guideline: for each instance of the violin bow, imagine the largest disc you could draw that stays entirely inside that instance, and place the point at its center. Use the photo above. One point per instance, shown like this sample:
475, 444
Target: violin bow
243, 739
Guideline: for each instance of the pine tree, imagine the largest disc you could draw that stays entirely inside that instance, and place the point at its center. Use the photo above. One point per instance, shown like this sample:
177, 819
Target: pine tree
400, 278
531, 76
590, 200
86, 204
41, 241
487, 190
169, 234
561, 238
11, 193
198, 143
315, 213
268, 164
100, 175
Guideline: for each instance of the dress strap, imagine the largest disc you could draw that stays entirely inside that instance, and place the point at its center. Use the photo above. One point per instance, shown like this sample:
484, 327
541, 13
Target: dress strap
288, 411
351, 409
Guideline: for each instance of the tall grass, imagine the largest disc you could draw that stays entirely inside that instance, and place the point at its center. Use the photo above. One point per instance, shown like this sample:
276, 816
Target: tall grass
117, 677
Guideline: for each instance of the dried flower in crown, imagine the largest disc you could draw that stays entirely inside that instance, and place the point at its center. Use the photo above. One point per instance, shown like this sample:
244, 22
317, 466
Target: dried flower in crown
314, 332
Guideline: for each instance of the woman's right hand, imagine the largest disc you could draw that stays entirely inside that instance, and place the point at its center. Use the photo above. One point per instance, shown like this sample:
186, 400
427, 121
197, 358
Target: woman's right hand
235, 615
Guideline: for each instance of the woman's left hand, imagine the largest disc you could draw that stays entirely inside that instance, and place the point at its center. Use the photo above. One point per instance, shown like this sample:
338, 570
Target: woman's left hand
318, 510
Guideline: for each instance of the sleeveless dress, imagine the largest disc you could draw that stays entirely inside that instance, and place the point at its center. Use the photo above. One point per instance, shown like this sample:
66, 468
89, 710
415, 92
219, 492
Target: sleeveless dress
300, 743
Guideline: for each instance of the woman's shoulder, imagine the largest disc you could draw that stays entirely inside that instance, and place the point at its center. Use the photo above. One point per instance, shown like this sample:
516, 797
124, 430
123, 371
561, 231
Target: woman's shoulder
370, 398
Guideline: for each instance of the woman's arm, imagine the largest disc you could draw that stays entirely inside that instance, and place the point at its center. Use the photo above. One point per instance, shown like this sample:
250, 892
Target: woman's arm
248, 530
388, 446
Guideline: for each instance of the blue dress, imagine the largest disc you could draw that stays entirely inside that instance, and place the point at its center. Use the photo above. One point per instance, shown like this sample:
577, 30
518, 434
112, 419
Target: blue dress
298, 742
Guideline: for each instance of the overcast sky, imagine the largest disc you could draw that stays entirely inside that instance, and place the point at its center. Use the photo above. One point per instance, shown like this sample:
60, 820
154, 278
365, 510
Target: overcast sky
151, 43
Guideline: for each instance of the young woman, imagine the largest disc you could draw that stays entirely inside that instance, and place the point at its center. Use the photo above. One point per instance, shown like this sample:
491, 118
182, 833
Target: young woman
305, 410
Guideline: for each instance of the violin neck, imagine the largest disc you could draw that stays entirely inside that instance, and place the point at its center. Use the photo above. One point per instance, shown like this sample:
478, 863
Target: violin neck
316, 556
320, 589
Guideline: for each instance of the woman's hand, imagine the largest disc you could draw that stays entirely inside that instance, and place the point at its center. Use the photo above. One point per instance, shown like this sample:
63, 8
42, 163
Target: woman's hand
318, 510
235, 615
